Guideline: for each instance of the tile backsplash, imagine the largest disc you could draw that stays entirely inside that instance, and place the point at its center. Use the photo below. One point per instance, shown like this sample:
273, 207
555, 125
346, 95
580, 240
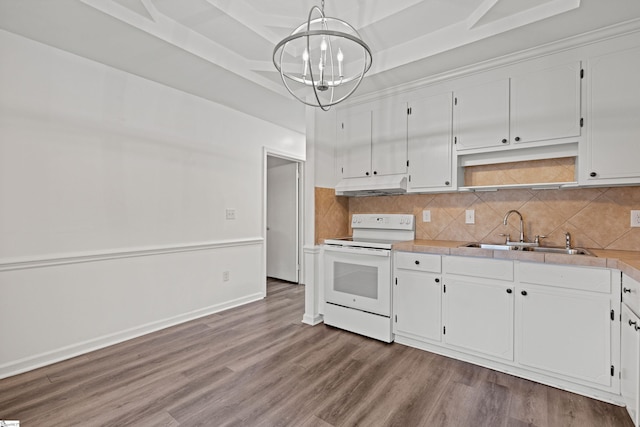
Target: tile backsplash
595, 217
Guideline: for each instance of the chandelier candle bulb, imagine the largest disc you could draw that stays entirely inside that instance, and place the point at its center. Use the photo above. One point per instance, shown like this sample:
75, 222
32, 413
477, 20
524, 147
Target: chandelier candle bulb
305, 60
340, 57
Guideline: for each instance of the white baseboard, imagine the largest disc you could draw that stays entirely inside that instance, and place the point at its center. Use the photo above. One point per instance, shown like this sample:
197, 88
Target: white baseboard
64, 353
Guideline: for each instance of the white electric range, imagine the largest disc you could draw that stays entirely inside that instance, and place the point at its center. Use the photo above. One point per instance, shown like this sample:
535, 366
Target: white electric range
357, 274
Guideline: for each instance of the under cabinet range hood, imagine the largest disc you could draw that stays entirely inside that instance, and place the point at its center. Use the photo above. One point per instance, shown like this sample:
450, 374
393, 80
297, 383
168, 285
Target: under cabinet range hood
378, 185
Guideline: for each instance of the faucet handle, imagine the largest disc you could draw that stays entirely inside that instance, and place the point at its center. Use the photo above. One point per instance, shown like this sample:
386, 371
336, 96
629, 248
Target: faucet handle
537, 239
507, 235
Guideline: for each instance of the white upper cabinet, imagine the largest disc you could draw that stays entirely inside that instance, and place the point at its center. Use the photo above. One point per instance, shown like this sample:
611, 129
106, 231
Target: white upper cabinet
536, 106
613, 112
373, 141
429, 146
354, 142
389, 139
481, 115
545, 104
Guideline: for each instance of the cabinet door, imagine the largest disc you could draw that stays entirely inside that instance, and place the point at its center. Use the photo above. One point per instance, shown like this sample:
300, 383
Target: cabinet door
429, 142
481, 115
478, 316
630, 363
546, 104
389, 139
565, 332
417, 304
613, 106
354, 140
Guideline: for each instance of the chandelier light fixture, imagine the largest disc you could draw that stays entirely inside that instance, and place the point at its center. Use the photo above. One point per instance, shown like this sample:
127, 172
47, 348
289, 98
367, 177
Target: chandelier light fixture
323, 61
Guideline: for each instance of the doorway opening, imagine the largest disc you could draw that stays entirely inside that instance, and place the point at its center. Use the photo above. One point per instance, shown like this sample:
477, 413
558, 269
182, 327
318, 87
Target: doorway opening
283, 218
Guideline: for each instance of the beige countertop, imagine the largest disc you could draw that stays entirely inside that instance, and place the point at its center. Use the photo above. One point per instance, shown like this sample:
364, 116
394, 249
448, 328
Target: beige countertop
626, 261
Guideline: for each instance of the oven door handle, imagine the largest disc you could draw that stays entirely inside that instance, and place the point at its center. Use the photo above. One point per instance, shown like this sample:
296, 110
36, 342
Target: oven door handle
358, 251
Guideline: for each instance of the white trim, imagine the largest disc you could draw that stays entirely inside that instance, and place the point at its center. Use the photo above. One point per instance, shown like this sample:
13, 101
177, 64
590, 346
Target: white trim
32, 362
9, 264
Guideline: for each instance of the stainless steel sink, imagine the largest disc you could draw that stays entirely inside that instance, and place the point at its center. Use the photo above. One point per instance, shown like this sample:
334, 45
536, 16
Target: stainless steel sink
572, 251
515, 247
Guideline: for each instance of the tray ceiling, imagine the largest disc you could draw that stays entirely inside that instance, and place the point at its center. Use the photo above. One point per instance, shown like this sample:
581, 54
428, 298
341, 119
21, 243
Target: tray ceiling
221, 49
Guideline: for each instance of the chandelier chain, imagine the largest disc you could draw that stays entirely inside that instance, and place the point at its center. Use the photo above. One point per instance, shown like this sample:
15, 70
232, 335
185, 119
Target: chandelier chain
322, 6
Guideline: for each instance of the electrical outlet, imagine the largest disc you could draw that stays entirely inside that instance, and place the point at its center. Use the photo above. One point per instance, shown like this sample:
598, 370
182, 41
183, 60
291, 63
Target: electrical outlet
635, 218
470, 216
426, 216
225, 276
231, 213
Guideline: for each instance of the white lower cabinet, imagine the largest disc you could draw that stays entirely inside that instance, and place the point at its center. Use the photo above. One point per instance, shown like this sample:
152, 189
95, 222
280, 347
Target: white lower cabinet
478, 316
417, 296
565, 332
556, 324
630, 363
566, 320
630, 347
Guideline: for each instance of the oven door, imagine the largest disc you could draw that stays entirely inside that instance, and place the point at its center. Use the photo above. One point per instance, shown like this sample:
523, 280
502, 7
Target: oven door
358, 278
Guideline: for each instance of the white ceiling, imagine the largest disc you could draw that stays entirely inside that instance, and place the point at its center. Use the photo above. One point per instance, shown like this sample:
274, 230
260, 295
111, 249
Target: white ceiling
222, 49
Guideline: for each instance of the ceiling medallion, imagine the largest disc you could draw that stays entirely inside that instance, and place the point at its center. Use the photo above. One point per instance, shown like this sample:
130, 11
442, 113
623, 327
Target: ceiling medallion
323, 61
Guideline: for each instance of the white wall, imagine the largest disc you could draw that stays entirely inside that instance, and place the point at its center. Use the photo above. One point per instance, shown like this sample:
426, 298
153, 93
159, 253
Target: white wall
113, 192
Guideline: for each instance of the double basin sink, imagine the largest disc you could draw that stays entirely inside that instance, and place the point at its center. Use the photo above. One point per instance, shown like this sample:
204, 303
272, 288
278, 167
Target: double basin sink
515, 247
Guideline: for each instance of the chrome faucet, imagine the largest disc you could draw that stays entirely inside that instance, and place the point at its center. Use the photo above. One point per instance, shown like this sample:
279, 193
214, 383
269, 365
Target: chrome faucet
567, 240
506, 217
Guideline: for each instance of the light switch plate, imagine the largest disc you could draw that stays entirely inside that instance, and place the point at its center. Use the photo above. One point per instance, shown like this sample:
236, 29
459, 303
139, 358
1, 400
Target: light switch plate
426, 216
231, 213
635, 218
470, 216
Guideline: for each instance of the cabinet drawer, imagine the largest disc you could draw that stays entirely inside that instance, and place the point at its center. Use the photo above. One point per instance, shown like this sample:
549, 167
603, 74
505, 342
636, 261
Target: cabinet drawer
564, 276
631, 293
479, 267
418, 261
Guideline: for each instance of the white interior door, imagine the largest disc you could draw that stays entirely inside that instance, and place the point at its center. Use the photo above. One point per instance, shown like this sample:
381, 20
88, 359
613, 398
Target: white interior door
282, 219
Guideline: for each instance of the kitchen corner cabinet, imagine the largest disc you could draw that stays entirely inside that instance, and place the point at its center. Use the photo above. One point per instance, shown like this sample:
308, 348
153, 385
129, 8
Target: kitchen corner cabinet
429, 143
373, 141
566, 320
630, 363
613, 108
417, 296
536, 106
630, 347
478, 306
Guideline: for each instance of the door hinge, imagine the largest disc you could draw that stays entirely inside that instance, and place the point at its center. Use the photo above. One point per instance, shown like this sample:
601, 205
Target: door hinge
342, 125
581, 122
396, 318
407, 163
613, 369
396, 281
342, 170
444, 288
455, 139
582, 73
444, 330
409, 178
613, 314
455, 101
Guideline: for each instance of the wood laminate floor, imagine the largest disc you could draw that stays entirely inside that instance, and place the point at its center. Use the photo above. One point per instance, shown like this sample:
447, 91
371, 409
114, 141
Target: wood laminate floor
258, 365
